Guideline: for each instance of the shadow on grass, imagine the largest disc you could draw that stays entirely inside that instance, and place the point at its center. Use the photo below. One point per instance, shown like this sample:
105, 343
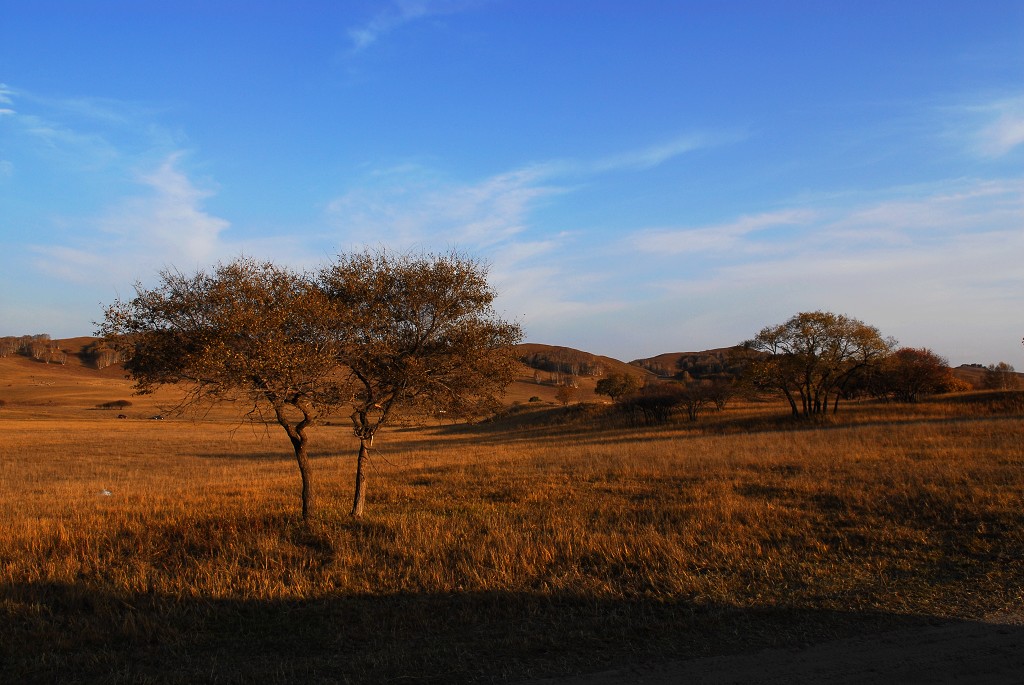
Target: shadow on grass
674, 431
76, 633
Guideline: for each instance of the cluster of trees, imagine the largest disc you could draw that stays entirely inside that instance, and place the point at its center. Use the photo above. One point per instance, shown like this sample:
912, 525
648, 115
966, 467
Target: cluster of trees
101, 354
39, 347
1001, 376
655, 402
907, 375
371, 335
563, 360
814, 359
719, 365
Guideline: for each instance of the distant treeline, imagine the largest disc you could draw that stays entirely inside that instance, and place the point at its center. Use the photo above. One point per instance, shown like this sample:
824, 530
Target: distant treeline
713, 365
564, 360
39, 347
43, 348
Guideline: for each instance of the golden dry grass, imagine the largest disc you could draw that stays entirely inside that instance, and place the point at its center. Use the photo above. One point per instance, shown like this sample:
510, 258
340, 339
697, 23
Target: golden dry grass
547, 542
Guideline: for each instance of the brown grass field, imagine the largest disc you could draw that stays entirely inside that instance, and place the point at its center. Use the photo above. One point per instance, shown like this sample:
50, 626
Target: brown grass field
549, 542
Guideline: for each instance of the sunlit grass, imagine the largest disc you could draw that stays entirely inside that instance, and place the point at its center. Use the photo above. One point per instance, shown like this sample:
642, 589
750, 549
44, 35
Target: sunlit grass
534, 550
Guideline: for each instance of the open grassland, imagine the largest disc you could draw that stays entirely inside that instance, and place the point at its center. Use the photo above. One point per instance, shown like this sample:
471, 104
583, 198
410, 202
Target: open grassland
547, 542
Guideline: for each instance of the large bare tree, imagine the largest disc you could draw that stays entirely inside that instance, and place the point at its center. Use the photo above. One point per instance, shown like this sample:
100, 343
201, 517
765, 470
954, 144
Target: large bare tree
416, 331
812, 357
246, 330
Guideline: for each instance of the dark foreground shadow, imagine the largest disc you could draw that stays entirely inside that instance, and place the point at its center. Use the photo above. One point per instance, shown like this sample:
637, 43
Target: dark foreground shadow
69, 633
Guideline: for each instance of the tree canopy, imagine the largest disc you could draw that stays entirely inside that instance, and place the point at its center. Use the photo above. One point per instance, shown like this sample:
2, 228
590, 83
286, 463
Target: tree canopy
416, 331
245, 330
371, 332
811, 357
618, 385
910, 373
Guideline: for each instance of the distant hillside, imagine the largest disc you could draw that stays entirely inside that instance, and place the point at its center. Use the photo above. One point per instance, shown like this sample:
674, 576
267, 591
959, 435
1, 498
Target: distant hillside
975, 375
566, 360
717, 363
82, 352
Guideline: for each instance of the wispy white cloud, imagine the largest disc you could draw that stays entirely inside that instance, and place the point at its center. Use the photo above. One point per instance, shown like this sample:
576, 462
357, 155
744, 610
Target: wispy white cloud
397, 14
72, 135
410, 206
139, 235
988, 129
942, 263
717, 238
1005, 130
655, 155
534, 268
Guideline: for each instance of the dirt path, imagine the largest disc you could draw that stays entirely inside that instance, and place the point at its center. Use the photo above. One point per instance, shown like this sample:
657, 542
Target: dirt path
990, 652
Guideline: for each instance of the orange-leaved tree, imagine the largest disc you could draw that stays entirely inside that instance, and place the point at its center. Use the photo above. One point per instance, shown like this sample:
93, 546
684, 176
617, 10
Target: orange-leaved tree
415, 332
813, 356
246, 330
371, 332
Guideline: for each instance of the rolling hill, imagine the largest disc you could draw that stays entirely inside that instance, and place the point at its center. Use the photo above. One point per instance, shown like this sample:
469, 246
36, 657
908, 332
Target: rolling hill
75, 384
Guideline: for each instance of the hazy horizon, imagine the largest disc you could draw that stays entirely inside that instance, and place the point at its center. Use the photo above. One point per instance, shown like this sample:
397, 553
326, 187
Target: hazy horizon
665, 177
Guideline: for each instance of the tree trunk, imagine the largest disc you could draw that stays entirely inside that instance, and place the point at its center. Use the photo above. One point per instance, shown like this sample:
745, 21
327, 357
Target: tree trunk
360, 497
297, 436
792, 402
307, 478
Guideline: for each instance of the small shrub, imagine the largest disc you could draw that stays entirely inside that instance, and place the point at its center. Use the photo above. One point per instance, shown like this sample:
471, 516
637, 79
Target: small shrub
115, 404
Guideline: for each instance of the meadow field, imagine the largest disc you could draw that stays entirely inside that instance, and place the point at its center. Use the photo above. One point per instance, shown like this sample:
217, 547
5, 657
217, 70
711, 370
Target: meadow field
547, 542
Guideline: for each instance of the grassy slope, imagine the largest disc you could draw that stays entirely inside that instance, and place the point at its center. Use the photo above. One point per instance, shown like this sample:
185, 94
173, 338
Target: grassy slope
549, 542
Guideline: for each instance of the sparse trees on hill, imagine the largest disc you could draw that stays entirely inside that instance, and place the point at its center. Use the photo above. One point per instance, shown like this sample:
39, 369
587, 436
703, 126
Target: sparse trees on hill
39, 347
725, 364
563, 360
102, 354
9, 345
812, 357
1000, 376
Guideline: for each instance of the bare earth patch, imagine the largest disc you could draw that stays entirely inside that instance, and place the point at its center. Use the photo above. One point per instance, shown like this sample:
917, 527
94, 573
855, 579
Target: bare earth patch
988, 652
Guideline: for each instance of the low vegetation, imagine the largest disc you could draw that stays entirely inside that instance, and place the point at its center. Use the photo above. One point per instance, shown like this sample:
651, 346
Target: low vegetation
553, 540
114, 404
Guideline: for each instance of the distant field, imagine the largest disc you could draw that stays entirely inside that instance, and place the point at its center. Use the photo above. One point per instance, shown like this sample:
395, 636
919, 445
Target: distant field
548, 542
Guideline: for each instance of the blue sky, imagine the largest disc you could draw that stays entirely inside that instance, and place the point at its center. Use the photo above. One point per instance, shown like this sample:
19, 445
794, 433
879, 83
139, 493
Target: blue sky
642, 177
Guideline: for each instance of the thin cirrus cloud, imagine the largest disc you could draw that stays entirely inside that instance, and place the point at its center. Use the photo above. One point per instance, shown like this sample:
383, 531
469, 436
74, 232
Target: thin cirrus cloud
5, 99
942, 265
163, 226
397, 14
655, 155
411, 207
987, 129
955, 242
1005, 130
716, 238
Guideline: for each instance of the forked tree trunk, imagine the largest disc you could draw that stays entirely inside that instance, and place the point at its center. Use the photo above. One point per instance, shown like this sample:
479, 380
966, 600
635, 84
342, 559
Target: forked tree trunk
297, 436
360, 497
